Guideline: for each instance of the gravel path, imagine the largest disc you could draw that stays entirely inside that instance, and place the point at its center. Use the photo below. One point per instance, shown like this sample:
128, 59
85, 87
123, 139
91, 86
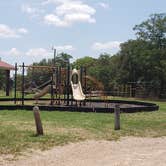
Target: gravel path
129, 151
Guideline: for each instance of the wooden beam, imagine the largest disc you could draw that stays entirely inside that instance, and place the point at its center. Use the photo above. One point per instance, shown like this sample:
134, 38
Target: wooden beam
41, 67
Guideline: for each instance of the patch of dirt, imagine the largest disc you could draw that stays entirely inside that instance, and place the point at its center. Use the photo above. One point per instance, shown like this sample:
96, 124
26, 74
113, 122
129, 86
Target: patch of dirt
129, 151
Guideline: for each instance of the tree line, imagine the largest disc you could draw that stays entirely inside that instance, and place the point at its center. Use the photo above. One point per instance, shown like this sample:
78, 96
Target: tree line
139, 61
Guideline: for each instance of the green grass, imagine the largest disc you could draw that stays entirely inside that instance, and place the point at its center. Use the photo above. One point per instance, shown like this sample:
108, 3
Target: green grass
17, 128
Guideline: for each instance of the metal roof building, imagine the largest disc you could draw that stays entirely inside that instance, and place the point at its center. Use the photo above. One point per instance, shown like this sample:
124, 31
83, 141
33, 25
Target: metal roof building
6, 66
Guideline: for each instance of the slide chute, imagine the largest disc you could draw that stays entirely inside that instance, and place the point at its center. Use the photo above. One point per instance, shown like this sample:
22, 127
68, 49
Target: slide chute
76, 86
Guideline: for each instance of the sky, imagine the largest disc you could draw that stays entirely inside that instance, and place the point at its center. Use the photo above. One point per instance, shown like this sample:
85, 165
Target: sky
30, 29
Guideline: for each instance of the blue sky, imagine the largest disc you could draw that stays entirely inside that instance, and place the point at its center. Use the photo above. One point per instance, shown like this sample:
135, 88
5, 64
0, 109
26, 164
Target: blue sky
29, 29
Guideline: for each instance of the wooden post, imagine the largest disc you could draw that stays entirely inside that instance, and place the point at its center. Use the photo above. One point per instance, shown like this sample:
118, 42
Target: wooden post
117, 117
39, 128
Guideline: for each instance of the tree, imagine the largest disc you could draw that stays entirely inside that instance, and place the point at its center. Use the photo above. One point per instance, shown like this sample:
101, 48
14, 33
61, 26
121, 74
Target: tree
141, 61
103, 72
85, 62
39, 76
62, 59
99, 68
153, 30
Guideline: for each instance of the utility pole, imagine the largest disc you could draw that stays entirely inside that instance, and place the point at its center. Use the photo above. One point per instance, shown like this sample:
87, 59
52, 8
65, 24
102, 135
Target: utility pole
54, 55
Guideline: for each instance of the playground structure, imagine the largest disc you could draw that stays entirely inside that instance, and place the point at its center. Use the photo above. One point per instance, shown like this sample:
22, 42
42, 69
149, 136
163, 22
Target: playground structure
65, 86
65, 90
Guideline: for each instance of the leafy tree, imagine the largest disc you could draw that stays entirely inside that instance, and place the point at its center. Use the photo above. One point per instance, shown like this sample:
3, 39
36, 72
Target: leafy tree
63, 59
85, 62
103, 72
140, 61
153, 30
39, 76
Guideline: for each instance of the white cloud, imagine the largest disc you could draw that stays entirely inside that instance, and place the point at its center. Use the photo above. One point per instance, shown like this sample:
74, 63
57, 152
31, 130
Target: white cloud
52, 19
104, 5
68, 12
38, 52
64, 12
12, 52
98, 46
22, 30
32, 55
64, 48
46, 2
80, 17
74, 7
28, 9
8, 32
32, 11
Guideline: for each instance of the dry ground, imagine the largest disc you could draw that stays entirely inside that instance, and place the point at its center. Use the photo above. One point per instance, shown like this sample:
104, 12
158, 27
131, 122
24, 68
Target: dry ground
129, 151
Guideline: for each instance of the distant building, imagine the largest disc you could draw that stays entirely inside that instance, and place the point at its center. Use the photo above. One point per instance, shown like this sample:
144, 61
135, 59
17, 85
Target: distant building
7, 67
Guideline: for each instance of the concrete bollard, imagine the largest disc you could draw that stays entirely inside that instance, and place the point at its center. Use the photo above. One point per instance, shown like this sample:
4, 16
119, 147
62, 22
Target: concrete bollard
39, 128
117, 117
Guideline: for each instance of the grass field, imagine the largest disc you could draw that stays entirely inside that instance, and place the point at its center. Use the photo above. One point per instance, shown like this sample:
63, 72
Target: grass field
17, 128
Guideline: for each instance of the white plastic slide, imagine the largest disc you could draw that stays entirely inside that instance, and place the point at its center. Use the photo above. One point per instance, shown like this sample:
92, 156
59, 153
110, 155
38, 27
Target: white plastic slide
76, 87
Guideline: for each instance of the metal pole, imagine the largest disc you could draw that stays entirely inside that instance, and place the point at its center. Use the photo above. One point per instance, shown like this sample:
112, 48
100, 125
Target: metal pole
68, 83
52, 91
85, 80
7, 82
54, 55
57, 80
81, 75
64, 95
23, 80
59, 85
85, 85
15, 84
